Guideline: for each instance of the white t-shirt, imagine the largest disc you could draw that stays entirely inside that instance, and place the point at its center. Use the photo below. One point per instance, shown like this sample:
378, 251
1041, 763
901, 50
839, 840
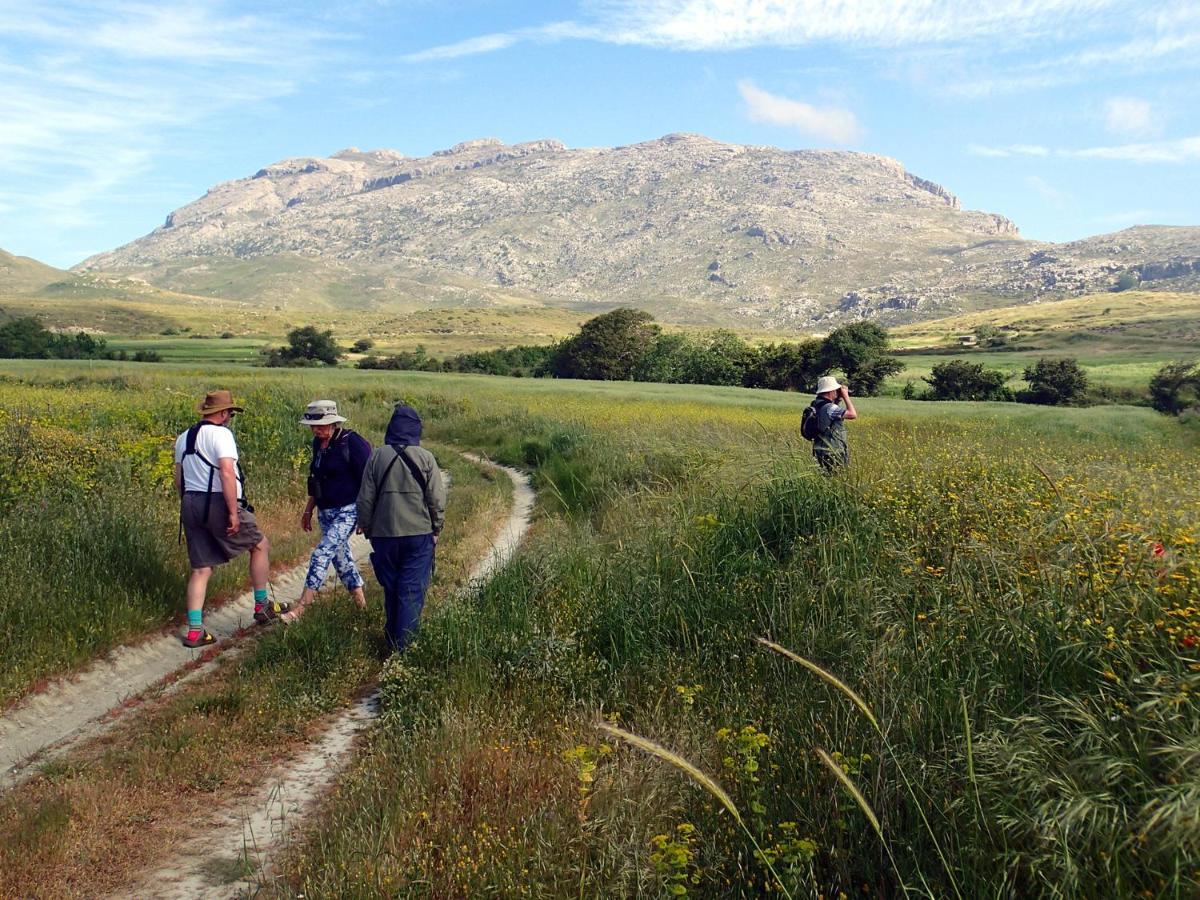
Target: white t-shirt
214, 442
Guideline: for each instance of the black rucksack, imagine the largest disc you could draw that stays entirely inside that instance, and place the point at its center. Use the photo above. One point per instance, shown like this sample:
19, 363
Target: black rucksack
810, 427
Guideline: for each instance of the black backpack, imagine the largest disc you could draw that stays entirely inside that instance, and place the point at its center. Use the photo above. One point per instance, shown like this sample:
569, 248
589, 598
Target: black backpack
810, 428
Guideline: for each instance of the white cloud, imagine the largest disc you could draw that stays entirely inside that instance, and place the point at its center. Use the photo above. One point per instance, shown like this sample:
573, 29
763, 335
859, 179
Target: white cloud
1131, 116
487, 43
826, 123
1177, 151
93, 91
1055, 197
1011, 150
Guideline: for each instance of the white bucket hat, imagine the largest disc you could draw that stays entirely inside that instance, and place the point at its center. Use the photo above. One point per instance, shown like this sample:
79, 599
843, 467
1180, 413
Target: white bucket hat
827, 383
322, 412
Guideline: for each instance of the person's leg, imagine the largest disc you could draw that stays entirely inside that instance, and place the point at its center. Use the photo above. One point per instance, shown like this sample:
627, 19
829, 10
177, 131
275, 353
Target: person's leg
412, 581
260, 564
322, 556
341, 527
385, 562
197, 587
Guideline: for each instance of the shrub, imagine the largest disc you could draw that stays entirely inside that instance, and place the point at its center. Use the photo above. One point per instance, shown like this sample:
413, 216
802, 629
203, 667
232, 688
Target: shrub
306, 347
1176, 387
961, 380
362, 345
1054, 382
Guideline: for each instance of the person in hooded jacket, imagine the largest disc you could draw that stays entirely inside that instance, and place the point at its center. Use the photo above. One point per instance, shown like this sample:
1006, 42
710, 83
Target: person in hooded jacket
401, 510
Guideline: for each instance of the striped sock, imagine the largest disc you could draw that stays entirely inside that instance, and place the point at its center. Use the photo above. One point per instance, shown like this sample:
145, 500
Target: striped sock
260, 598
195, 623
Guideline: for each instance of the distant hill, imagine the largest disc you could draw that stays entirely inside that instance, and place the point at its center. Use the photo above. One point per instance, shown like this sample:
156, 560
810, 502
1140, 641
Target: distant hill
694, 230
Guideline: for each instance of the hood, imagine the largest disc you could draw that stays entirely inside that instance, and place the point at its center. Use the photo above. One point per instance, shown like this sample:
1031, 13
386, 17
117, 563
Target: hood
405, 427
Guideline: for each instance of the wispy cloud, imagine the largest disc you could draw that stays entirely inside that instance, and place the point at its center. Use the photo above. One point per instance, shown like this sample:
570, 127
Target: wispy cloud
94, 90
828, 123
738, 24
1052, 195
1177, 151
1011, 150
1131, 116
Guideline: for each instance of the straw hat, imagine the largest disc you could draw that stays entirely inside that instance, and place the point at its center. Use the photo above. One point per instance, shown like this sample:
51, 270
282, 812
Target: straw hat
827, 383
215, 401
322, 412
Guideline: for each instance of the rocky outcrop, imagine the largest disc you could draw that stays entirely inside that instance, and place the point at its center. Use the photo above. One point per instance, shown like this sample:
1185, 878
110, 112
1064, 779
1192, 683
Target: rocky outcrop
796, 237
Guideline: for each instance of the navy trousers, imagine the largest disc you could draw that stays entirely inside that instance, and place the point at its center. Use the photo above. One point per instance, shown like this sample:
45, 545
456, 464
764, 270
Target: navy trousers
403, 566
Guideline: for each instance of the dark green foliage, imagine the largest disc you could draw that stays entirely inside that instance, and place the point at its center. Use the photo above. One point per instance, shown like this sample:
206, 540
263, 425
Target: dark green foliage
786, 367
1055, 382
626, 345
1125, 281
1176, 387
362, 345
25, 338
860, 351
306, 347
961, 380
608, 347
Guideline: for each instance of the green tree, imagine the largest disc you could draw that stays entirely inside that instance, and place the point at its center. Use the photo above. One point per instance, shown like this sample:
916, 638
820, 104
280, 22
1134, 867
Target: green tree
25, 338
306, 346
1176, 387
859, 350
1055, 382
609, 347
1125, 281
961, 380
786, 367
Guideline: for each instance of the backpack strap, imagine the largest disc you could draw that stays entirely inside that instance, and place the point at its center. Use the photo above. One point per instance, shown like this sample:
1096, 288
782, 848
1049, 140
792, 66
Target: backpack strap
190, 449
417, 475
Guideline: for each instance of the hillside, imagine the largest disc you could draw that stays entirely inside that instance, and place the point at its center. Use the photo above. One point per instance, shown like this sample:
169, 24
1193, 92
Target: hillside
694, 230
1159, 322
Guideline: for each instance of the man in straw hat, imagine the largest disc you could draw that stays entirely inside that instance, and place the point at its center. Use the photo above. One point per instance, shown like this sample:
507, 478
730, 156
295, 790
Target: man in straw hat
217, 520
830, 410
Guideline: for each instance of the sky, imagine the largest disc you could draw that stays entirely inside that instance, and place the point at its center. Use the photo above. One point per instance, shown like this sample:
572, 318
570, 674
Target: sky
1071, 117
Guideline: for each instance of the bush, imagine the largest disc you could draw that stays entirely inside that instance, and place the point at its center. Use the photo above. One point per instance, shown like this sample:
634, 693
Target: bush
306, 347
362, 345
961, 380
1055, 382
1125, 281
1176, 387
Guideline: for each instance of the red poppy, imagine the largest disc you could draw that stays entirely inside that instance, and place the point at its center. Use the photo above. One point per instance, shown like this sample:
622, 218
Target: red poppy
1158, 549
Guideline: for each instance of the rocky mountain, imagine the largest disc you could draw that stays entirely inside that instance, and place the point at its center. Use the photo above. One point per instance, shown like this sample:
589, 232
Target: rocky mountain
694, 230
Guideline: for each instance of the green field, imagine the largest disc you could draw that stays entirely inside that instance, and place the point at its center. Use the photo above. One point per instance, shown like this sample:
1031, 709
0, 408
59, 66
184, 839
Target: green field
1012, 591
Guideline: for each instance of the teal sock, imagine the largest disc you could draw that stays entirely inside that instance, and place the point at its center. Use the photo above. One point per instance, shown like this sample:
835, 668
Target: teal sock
260, 598
195, 620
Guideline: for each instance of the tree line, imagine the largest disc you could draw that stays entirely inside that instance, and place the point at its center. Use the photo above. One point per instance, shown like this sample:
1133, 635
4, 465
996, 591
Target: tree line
628, 345
25, 338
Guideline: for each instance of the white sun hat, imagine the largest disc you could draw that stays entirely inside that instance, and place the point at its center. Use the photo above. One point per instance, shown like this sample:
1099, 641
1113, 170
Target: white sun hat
322, 412
827, 383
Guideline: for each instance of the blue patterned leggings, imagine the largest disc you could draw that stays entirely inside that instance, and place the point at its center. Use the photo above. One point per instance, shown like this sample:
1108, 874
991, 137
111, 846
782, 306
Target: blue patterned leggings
337, 525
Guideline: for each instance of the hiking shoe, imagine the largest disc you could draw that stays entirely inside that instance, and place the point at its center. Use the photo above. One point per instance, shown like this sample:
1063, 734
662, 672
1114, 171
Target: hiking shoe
202, 641
270, 611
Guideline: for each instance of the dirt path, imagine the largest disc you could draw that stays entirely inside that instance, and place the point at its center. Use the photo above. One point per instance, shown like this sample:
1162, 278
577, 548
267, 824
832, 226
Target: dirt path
72, 709
232, 855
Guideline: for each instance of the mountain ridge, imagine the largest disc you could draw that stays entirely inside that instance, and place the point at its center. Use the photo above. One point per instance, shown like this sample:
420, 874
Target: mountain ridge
692, 229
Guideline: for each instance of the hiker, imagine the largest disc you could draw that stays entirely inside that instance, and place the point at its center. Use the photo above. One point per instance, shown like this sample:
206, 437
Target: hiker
214, 515
824, 421
339, 456
401, 509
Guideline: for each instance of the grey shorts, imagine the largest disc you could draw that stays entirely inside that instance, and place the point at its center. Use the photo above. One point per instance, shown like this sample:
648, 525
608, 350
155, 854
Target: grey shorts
207, 542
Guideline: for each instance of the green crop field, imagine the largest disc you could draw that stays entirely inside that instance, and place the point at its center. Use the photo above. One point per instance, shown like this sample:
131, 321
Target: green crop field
983, 678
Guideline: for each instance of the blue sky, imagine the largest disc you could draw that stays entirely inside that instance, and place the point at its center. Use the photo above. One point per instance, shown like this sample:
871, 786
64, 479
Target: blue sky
1071, 117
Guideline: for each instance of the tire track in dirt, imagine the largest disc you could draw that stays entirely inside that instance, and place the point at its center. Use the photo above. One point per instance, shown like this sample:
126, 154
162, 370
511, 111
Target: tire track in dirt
77, 707
232, 855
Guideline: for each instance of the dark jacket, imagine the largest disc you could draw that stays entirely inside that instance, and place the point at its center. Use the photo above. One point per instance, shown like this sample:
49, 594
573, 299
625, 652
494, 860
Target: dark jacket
391, 502
337, 471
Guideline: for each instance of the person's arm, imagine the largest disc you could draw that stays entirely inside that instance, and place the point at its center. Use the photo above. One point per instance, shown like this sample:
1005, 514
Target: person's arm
306, 516
366, 498
851, 412
227, 467
179, 479
437, 498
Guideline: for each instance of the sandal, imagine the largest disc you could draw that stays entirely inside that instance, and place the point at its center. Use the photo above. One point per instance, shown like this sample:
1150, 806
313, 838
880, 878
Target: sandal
202, 641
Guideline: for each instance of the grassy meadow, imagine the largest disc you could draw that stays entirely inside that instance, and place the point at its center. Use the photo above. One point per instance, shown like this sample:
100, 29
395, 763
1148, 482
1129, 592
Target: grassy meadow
995, 614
